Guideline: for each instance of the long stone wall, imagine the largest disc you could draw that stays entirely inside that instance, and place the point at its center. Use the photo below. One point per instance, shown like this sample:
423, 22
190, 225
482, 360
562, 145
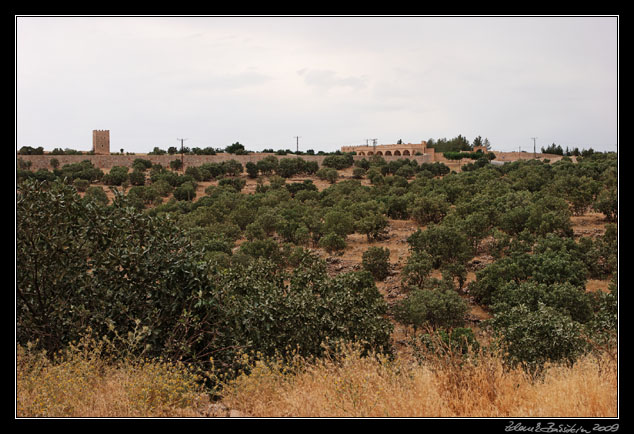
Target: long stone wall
108, 161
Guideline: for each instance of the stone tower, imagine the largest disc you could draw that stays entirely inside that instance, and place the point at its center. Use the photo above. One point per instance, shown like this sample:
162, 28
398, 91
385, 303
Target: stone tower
101, 142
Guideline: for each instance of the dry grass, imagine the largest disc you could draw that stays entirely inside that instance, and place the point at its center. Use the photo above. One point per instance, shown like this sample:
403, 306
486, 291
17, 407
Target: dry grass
81, 383
349, 385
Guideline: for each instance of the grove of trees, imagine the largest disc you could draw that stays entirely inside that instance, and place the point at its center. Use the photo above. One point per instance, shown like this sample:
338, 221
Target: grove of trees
208, 278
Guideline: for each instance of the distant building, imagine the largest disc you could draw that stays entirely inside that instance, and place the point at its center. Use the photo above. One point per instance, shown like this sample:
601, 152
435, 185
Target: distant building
401, 149
101, 142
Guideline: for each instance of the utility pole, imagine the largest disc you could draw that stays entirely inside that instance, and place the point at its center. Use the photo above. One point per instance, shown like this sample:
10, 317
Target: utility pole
297, 143
182, 154
373, 146
534, 151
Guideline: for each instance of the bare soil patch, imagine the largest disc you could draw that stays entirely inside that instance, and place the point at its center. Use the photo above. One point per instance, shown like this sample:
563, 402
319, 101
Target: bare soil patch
590, 224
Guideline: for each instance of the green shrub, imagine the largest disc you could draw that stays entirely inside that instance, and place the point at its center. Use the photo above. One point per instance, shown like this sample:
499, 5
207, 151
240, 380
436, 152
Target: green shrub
97, 194
194, 172
137, 177
376, 260
446, 244
417, 269
531, 338
429, 209
124, 273
117, 176
358, 172
81, 184
435, 308
373, 225
141, 164
328, 174
162, 187
235, 183
231, 167
252, 169
176, 164
338, 162
332, 242
186, 191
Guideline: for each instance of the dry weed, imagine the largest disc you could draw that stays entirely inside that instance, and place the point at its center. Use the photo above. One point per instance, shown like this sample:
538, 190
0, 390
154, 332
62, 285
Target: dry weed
80, 382
348, 385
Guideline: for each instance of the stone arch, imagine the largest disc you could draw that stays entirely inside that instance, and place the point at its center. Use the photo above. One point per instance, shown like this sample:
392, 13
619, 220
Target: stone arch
406, 152
397, 153
360, 153
388, 153
370, 153
379, 153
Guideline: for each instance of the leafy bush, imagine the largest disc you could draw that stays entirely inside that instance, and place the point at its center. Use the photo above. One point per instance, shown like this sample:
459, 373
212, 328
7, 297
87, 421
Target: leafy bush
176, 164
83, 170
358, 172
446, 244
429, 209
236, 183
268, 165
328, 174
306, 185
137, 177
231, 167
118, 271
235, 148
142, 195
338, 162
533, 337
194, 172
141, 164
376, 261
97, 194
339, 222
117, 175
252, 169
417, 269
435, 308
81, 184
332, 242
607, 203
265, 248
186, 191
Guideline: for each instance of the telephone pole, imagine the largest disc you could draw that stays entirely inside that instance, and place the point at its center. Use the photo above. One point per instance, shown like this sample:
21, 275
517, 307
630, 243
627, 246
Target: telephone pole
182, 153
373, 146
534, 151
297, 143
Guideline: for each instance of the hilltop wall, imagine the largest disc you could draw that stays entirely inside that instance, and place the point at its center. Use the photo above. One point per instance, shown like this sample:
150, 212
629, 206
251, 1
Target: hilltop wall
108, 161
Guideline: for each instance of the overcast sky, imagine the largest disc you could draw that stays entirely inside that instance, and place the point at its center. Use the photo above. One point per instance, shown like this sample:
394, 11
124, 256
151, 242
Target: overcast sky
332, 81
